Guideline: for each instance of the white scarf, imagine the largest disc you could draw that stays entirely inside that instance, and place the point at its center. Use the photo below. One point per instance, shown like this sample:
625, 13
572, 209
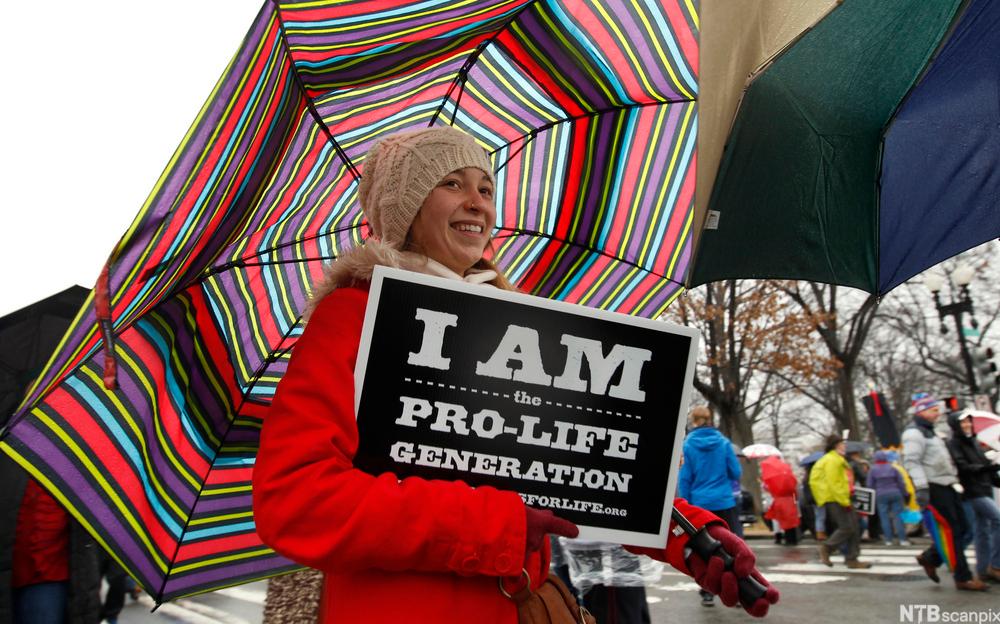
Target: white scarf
473, 276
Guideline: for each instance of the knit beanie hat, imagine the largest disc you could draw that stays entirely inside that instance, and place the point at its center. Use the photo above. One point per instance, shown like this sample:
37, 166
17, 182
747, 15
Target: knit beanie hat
403, 168
922, 401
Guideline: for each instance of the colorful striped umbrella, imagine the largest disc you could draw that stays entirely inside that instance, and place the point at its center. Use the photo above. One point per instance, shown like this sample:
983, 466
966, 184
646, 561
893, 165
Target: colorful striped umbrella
588, 111
865, 152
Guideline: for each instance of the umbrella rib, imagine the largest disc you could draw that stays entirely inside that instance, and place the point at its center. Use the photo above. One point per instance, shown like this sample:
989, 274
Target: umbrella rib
243, 399
594, 113
309, 101
463, 72
520, 231
509, 232
243, 260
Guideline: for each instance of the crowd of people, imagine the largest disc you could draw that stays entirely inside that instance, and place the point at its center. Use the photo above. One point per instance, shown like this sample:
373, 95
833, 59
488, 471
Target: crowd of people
939, 474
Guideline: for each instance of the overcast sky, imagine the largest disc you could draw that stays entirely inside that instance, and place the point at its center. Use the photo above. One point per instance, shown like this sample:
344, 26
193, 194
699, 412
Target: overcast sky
96, 97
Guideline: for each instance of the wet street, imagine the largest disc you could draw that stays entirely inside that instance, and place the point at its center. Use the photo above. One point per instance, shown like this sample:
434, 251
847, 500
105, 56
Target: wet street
813, 593
810, 593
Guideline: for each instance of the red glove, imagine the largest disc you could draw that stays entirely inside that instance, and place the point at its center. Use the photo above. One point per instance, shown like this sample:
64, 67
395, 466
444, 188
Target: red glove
713, 577
541, 522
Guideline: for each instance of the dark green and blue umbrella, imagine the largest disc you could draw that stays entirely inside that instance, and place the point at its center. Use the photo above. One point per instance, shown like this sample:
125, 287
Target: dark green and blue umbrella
866, 152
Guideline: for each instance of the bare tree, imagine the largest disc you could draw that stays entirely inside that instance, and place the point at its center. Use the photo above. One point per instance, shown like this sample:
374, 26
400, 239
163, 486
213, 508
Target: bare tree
842, 324
754, 343
912, 349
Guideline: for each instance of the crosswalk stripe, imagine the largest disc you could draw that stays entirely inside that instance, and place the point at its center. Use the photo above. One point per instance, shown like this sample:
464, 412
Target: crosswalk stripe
802, 579
819, 567
873, 558
970, 555
687, 586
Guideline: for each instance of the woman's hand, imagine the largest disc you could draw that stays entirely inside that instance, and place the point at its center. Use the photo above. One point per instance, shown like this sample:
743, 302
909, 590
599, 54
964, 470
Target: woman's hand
542, 522
713, 576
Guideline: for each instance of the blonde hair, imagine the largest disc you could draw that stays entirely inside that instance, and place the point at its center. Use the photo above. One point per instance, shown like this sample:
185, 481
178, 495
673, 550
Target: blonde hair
700, 415
500, 281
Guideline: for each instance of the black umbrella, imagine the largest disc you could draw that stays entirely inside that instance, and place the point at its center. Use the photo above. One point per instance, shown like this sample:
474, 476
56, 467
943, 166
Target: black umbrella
27, 339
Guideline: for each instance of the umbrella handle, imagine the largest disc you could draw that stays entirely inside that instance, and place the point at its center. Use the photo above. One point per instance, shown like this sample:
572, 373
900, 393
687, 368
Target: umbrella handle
706, 546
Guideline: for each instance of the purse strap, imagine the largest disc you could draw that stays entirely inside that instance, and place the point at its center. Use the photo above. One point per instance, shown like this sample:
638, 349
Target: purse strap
521, 595
524, 595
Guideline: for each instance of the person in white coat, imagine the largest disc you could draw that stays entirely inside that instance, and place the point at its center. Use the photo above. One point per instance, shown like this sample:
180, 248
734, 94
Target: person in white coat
935, 478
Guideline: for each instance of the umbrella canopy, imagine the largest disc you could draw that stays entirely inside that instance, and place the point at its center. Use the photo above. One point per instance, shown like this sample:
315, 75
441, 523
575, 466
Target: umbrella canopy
811, 458
854, 446
756, 451
778, 477
737, 38
986, 426
866, 152
588, 112
27, 339
990, 437
981, 419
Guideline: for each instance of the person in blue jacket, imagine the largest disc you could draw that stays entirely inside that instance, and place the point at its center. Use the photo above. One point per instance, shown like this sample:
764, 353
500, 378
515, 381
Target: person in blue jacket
709, 469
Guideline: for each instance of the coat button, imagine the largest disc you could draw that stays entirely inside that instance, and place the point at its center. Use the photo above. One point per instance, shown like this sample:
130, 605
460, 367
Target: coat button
503, 562
470, 563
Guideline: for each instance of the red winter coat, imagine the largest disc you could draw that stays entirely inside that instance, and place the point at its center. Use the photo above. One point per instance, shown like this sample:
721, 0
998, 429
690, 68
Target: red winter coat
414, 550
780, 481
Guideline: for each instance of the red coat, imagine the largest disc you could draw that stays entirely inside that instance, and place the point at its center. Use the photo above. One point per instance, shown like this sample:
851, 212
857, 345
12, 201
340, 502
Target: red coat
414, 550
41, 543
780, 481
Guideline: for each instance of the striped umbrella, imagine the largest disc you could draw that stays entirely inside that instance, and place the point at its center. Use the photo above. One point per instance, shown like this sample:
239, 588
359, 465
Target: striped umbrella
864, 153
942, 534
145, 423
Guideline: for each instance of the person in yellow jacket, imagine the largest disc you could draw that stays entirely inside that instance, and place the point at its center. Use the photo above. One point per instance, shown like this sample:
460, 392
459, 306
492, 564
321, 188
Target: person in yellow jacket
831, 488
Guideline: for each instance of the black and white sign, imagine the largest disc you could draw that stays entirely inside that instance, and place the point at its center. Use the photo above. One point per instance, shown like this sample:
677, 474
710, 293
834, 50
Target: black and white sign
580, 411
863, 500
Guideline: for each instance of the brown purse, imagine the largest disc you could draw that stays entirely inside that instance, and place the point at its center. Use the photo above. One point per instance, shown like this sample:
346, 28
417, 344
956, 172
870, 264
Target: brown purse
552, 603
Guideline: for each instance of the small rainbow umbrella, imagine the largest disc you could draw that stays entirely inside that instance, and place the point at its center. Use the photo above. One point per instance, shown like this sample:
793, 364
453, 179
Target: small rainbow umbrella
942, 534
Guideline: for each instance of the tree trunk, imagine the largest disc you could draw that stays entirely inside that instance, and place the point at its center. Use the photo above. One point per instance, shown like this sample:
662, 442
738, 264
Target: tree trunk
848, 417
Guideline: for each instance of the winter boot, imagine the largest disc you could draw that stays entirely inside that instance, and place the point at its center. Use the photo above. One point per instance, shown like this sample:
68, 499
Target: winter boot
929, 569
824, 555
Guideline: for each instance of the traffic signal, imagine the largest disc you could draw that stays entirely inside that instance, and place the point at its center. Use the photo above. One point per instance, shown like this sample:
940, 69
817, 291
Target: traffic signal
951, 402
985, 368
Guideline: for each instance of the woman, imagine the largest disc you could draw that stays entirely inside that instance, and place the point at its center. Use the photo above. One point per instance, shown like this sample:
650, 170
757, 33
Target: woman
779, 480
978, 476
414, 550
890, 493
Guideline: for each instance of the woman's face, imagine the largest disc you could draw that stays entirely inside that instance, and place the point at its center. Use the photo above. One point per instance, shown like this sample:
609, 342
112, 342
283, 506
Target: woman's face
454, 224
966, 424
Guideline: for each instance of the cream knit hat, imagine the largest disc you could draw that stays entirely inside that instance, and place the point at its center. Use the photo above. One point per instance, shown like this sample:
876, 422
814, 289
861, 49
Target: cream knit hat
403, 168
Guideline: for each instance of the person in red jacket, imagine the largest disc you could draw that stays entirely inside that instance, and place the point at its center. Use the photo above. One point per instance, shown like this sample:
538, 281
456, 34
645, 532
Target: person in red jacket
413, 550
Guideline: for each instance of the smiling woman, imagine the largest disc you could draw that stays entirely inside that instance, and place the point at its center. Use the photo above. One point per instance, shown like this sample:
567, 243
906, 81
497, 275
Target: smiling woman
418, 549
455, 221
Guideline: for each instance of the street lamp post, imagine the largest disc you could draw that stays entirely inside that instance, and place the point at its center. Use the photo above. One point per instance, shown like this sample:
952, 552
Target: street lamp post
962, 276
